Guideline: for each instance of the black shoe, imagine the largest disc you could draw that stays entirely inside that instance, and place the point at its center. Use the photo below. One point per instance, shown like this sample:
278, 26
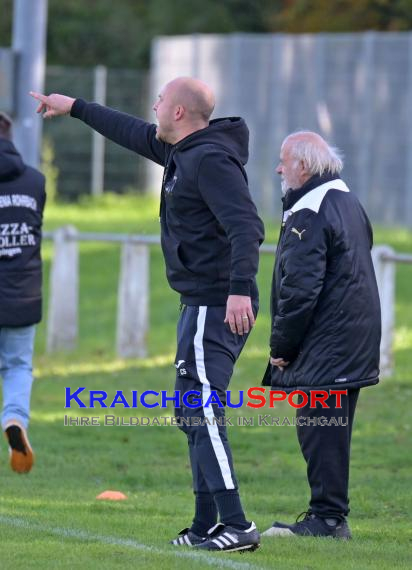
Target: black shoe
226, 538
311, 525
187, 538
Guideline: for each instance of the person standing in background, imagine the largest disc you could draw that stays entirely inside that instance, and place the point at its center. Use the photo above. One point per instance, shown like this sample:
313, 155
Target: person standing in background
22, 201
210, 236
326, 324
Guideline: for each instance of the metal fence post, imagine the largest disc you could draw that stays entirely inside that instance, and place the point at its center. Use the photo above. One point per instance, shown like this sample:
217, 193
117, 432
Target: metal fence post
385, 276
98, 144
29, 44
133, 301
62, 325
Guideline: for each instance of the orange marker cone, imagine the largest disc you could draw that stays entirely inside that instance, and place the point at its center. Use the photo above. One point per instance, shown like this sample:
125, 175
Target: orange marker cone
111, 496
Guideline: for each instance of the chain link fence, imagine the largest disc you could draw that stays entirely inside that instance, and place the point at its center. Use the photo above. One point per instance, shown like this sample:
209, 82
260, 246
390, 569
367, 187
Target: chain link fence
72, 142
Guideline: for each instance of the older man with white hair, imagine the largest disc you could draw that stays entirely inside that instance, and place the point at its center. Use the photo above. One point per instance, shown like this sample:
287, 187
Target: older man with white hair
325, 322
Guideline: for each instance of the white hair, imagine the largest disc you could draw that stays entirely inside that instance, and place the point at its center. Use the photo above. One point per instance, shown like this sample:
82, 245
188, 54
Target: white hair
317, 155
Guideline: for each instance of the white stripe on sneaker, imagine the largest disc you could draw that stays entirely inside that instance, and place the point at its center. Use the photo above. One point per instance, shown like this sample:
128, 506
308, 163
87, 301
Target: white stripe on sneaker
218, 543
212, 428
232, 537
252, 527
186, 539
213, 528
225, 540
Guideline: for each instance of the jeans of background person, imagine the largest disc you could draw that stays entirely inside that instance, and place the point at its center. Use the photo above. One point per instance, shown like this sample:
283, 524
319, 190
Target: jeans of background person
16, 355
326, 449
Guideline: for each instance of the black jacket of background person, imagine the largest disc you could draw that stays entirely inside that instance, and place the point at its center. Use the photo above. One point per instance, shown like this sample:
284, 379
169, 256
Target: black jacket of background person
22, 199
210, 229
325, 305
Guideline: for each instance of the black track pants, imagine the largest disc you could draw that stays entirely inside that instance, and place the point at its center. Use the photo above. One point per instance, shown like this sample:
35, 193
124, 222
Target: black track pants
206, 353
326, 449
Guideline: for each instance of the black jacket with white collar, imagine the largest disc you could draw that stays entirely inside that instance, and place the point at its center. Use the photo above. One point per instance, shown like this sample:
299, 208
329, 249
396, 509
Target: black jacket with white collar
325, 304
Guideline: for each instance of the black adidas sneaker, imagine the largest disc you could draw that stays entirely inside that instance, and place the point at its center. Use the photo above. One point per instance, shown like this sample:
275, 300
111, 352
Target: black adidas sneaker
187, 538
223, 538
311, 525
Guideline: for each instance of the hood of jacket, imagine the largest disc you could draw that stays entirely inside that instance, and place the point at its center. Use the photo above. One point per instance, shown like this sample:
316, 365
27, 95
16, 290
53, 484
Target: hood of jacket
230, 133
11, 163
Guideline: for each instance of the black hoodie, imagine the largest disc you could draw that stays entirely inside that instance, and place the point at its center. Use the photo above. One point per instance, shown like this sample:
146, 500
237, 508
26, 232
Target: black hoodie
210, 229
22, 199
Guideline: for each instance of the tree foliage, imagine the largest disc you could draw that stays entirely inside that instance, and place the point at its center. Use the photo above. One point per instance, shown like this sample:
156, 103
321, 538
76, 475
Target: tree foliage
118, 34
342, 15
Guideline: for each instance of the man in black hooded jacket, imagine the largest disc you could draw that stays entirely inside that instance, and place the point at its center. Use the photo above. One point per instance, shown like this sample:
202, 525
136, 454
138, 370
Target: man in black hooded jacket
210, 235
22, 199
325, 321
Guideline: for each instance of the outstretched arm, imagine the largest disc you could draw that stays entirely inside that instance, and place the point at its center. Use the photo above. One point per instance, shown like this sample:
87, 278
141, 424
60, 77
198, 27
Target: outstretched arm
124, 129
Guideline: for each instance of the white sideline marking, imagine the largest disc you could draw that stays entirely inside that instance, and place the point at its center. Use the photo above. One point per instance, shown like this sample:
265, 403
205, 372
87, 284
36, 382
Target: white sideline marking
126, 542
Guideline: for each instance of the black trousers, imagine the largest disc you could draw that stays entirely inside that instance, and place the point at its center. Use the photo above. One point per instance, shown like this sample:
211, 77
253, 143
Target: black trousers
206, 353
326, 449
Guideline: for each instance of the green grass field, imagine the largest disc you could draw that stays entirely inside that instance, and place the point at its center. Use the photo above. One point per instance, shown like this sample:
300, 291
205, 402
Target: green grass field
50, 518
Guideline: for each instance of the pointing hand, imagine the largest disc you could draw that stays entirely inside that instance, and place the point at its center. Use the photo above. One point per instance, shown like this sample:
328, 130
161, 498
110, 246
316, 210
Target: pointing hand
53, 105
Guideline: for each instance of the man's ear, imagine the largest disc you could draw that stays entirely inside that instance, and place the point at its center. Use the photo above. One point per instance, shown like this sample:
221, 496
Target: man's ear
303, 168
179, 112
